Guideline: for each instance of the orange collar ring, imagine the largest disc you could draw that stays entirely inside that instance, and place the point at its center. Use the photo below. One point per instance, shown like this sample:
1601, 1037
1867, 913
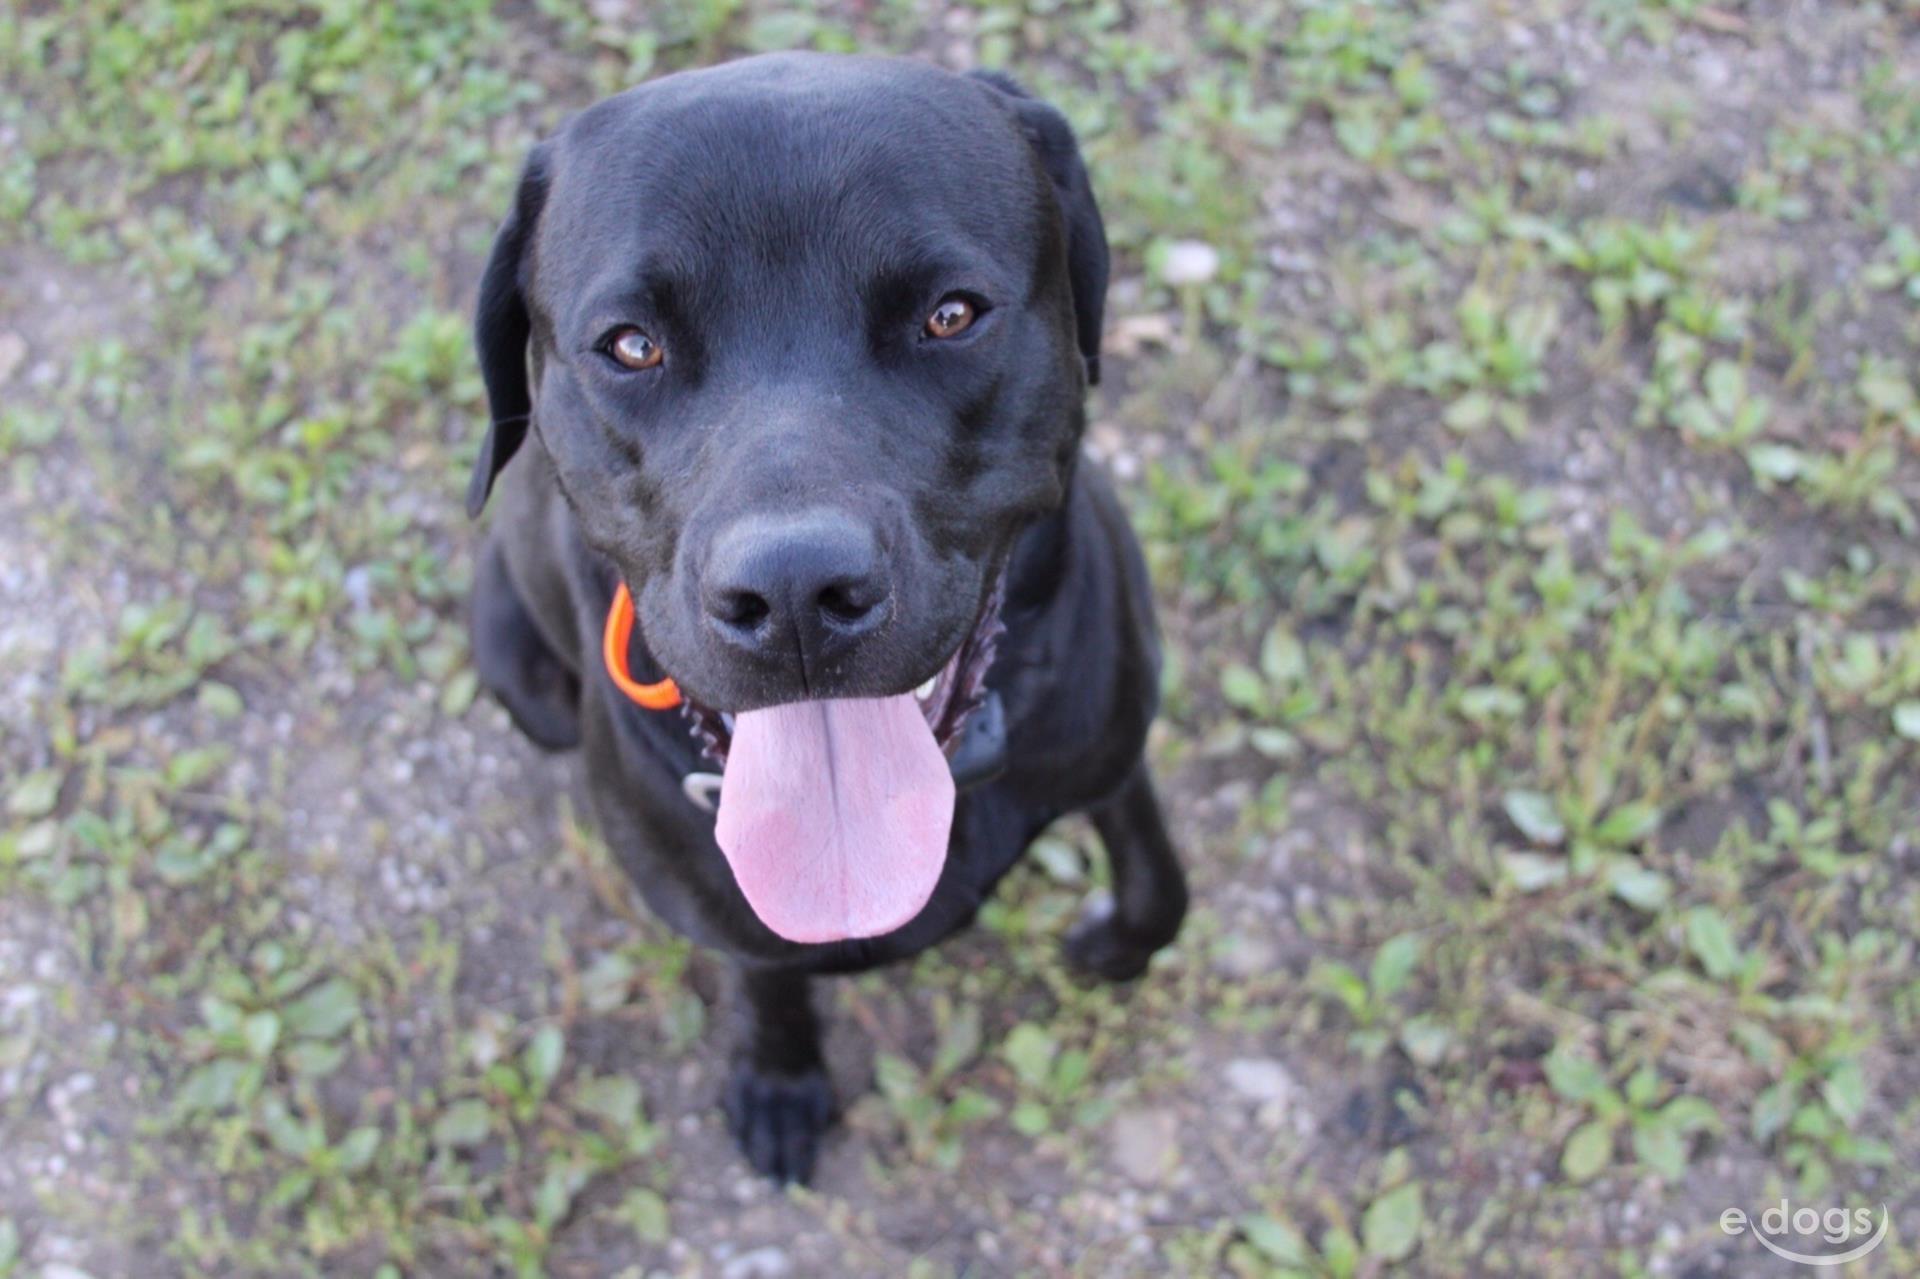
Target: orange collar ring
663, 696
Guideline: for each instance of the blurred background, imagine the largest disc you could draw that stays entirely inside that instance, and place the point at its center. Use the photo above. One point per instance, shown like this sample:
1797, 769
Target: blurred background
1518, 404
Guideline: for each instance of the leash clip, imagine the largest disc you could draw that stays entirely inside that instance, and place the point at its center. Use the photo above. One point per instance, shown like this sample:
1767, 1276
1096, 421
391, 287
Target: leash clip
702, 790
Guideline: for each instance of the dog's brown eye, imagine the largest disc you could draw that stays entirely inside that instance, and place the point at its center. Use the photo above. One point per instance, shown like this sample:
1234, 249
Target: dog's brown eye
951, 317
635, 350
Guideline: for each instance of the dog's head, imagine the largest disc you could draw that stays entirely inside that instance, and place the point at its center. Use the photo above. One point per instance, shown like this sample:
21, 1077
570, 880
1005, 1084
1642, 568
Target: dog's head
806, 338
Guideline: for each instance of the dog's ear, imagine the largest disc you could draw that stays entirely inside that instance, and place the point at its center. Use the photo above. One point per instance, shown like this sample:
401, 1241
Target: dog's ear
500, 330
1052, 138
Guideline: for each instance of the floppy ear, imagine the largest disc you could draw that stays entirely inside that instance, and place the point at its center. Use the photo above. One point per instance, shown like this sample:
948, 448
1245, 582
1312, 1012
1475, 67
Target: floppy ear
1052, 139
500, 329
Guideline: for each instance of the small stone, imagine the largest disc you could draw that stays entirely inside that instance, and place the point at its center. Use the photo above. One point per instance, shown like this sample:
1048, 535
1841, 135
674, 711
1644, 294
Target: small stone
1144, 1144
13, 353
1244, 955
1189, 262
761, 1263
1260, 1079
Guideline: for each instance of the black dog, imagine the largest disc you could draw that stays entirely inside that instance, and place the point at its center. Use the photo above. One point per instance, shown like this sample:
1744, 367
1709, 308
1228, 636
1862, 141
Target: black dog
800, 344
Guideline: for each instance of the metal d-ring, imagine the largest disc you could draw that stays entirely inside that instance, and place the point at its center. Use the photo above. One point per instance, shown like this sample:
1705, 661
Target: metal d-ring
702, 789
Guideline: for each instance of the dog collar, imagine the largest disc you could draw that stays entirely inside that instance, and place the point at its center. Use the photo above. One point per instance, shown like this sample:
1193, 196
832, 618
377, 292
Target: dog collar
702, 789
614, 641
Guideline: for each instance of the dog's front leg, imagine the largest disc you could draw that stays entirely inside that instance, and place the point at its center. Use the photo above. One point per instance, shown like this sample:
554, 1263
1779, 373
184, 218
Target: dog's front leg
778, 1099
1149, 889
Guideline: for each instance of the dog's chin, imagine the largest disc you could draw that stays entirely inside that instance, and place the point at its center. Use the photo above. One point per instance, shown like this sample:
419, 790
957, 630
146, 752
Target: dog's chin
946, 697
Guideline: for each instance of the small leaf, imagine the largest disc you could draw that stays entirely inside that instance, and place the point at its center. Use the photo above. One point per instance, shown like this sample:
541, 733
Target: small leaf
219, 700
1390, 1230
959, 1042
1846, 1092
543, 1056
646, 1212
1030, 1051
1275, 1240
1690, 1114
1588, 1151
463, 1125
1469, 413
1360, 133
1906, 720
1282, 658
357, 1148
554, 1199
189, 768
613, 1098
36, 794
312, 1059
1425, 1040
1712, 943
1772, 1109
605, 984
324, 1011
1531, 872
1726, 385
1335, 979
1628, 824
1484, 702
1536, 816
1573, 1075
1242, 687
1776, 462
289, 1136
459, 692
896, 1078
1639, 887
261, 1031
1661, 1148
1029, 1119
213, 1086
1393, 964
1340, 1251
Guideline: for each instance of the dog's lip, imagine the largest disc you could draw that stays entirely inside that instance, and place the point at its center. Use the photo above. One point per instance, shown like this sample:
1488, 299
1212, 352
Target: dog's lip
958, 686
931, 683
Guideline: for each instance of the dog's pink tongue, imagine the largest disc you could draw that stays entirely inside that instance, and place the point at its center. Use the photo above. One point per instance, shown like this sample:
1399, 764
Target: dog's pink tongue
834, 815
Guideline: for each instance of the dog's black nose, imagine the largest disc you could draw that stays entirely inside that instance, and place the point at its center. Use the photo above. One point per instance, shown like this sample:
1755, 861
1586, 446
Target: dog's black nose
807, 586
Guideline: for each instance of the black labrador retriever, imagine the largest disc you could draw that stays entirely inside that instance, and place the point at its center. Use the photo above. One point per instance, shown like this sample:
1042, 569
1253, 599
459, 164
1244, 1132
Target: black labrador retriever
794, 350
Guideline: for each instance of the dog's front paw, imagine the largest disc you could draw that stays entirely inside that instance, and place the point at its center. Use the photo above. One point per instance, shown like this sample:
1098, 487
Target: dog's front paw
778, 1119
1102, 948
1098, 949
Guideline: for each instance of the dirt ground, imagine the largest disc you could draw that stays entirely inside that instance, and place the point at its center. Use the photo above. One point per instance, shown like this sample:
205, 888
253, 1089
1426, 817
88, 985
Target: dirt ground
1518, 403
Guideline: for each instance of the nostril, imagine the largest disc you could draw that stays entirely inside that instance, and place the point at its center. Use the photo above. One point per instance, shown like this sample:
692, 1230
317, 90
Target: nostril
743, 609
851, 605
842, 604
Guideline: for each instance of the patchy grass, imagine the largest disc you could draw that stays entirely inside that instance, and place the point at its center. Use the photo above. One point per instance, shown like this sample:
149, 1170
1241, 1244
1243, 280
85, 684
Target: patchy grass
1531, 482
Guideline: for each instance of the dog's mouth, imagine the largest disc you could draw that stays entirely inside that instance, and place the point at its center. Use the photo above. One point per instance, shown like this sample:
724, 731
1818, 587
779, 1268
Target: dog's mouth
834, 814
947, 699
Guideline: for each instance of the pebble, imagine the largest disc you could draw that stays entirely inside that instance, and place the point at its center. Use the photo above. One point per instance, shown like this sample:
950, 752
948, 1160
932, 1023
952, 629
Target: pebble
1144, 1145
761, 1263
1260, 1079
1241, 955
13, 353
1190, 262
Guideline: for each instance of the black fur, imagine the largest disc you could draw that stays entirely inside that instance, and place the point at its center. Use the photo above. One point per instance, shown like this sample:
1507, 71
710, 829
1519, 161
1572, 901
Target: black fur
782, 226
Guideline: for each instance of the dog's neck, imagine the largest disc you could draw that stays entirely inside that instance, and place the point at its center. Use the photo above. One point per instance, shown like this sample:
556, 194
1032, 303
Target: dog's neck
1041, 551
